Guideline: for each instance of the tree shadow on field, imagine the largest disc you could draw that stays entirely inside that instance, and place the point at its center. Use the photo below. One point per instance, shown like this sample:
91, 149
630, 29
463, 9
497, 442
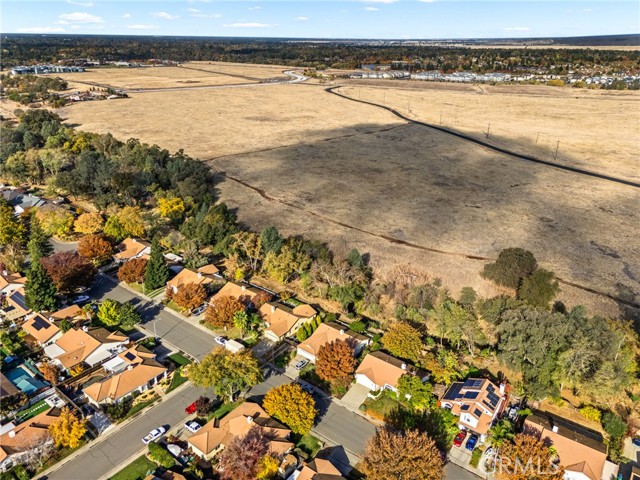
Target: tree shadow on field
413, 187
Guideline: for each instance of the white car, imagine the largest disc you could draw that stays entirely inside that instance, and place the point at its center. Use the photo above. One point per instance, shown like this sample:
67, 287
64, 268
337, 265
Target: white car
193, 427
199, 311
301, 364
81, 299
220, 340
154, 435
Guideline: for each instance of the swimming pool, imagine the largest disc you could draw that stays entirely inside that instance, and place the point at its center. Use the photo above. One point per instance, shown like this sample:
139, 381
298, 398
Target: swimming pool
21, 378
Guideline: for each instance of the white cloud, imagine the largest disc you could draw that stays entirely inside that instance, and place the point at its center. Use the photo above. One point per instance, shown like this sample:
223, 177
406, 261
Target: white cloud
142, 27
302, 19
371, 9
517, 29
165, 15
257, 7
427, 1
206, 15
126, 15
87, 27
41, 30
198, 1
193, 10
379, 1
79, 17
249, 25
80, 4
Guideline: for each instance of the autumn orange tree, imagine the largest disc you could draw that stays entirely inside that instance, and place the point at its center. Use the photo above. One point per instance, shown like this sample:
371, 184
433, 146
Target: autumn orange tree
221, 313
335, 361
190, 296
409, 455
133, 270
68, 270
95, 248
67, 430
50, 372
404, 341
292, 406
526, 458
89, 223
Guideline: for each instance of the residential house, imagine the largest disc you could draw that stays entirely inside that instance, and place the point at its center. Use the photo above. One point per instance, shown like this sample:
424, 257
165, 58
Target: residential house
582, 452
283, 321
86, 345
477, 402
379, 371
134, 370
215, 435
19, 441
132, 248
202, 276
328, 332
42, 330
72, 312
242, 291
7, 388
317, 469
15, 308
168, 475
25, 202
10, 282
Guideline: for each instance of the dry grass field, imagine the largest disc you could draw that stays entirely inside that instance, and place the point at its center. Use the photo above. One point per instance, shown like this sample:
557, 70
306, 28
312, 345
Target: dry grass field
244, 69
355, 175
597, 130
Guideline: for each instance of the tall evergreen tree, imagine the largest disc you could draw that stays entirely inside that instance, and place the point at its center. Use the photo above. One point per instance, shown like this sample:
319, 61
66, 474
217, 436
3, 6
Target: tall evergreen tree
40, 291
157, 272
38, 245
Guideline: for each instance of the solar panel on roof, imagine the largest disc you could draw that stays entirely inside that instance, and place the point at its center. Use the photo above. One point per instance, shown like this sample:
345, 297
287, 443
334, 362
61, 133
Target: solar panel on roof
464, 407
493, 398
471, 395
453, 392
473, 383
490, 388
129, 356
477, 412
18, 298
39, 323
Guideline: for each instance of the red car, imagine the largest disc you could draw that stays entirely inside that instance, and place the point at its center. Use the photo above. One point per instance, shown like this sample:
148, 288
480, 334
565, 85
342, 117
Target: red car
460, 438
190, 409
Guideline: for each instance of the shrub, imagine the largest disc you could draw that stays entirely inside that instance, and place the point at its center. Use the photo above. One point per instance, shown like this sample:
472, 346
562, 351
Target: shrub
358, 326
591, 413
512, 265
161, 456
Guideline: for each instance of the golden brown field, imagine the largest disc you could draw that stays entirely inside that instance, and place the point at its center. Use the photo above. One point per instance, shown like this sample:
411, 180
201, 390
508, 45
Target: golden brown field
310, 162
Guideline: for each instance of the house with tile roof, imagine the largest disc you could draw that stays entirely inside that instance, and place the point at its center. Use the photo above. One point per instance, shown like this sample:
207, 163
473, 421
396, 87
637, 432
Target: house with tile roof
216, 434
17, 441
72, 312
283, 321
317, 469
379, 371
9, 282
582, 451
131, 248
85, 345
44, 332
240, 290
328, 332
201, 276
15, 308
477, 402
7, 388
134, 370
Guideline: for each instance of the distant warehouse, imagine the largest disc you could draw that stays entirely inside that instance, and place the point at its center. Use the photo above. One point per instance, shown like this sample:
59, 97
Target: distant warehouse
43, 69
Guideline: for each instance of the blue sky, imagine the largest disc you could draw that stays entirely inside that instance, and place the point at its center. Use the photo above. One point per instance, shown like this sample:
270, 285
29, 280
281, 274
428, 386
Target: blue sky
327, 19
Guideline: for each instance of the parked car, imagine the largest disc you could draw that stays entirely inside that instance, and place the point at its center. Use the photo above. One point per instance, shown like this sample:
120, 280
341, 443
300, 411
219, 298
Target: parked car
301, 364
471, 443
199, 311
154, 434
462, 434
190, 409
81, 299
306, 387
636, 442
193, 427
220, 340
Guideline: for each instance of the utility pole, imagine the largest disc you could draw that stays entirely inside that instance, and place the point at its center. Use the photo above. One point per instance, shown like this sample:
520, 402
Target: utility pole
488, 129
537, 136
555, 156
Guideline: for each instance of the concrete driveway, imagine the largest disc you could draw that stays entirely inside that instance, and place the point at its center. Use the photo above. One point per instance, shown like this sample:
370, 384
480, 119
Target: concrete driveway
355, 397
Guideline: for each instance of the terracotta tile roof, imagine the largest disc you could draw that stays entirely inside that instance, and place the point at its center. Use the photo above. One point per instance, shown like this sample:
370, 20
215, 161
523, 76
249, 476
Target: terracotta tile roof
40, 328
7, 279
142, 368
27, 433
209, 269
78, 344
16, 300
242, 291
72, 311
580, 449
238, 423
317, 468
186, 275
281, 318
6, 387
130, 247
326, 333
383, 369
477, 397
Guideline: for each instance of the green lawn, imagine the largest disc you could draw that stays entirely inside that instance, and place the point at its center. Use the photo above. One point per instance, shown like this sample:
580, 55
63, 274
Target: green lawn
222, 410
139, 287
179, 359
382, 406
174, 306
309, 444
34, 410
137, 470
176, 381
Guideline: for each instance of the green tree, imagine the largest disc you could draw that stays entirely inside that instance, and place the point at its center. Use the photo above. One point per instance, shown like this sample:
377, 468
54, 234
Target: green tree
11, 228
614, 425
501, 432
539, 289
412, 390
108, 312
38, 245
157, 272
40, 291
512, 265
226, 372
160, 455
404, 341
271, 241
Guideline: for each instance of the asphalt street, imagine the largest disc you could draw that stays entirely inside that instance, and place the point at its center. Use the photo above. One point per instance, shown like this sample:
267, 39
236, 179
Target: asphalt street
118, 447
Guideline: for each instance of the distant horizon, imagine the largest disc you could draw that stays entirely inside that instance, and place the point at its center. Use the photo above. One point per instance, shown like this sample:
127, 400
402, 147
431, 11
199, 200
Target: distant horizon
332, 19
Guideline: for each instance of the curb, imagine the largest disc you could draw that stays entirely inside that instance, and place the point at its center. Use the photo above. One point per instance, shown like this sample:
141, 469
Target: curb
108, 434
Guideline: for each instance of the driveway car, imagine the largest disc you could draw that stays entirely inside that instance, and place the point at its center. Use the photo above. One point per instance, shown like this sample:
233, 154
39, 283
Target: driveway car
154, 434
81, 299
220, 340
471, 443
462, 434
193, 427
301, 364
306, 387
190, 409
199, 311
636, 442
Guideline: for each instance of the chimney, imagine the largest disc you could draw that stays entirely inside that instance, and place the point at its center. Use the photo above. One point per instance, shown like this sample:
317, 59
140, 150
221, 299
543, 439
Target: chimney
249, 419
134, 240
341, 331
502, 387
12, 433
5, 273
403, 366
85, 328
554, 429
244, 287
51, 319
129, 367
273, 309
199, 274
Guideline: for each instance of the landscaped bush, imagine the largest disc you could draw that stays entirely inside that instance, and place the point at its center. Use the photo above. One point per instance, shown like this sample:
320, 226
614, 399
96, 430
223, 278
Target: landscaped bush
161, 456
